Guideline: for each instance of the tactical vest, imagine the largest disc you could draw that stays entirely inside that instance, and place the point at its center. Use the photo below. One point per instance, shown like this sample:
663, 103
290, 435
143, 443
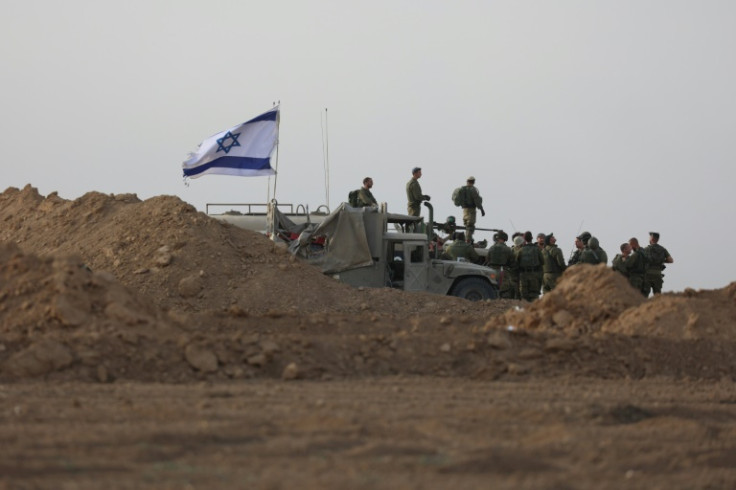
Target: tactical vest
529, 257
498, 255
656, 255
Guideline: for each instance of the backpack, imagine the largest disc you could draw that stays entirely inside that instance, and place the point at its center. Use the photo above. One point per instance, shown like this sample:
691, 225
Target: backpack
459, 196
656, 255
529, 257
353, 198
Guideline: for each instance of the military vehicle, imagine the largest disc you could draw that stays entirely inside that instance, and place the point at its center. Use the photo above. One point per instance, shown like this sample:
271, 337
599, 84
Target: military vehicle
371, 247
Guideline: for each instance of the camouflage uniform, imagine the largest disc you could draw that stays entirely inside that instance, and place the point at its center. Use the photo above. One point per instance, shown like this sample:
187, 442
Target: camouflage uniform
554, 266
530, 275
414, 197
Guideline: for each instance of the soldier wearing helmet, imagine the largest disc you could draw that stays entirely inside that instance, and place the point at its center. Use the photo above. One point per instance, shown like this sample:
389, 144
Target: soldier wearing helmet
593, 253
554, 263
580, 242
500, 256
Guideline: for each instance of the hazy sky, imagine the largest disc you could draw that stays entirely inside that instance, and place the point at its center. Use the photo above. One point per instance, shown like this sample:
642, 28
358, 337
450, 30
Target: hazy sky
616, 117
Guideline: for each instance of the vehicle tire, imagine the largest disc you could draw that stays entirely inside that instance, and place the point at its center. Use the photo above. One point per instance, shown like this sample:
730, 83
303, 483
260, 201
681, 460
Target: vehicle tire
474, 289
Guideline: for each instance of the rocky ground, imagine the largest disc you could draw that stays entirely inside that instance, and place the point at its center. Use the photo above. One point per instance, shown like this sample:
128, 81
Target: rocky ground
146, 345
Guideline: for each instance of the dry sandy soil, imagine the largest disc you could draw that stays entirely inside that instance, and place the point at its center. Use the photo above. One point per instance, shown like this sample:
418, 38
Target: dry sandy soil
146, 345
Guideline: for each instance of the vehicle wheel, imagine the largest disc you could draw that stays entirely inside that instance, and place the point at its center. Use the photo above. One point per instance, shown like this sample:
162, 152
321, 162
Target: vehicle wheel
474, 289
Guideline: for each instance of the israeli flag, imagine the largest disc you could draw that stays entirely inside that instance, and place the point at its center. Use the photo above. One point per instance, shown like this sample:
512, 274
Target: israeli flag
243, 150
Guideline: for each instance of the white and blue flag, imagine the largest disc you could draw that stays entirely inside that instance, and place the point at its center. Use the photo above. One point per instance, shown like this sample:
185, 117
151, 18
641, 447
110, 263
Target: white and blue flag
243, 150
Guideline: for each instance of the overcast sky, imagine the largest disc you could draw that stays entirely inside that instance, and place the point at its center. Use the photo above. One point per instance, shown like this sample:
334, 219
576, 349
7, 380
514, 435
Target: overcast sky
615, 117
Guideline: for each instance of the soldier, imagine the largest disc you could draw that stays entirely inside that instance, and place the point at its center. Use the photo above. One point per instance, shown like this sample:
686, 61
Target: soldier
593, 253
541, 241
554, 263
460, 248
365, 196
471, 202
637, 266
657, 256
500, 257
512, 277
529, 260
580, 242
414, 194
620, 260
448, 228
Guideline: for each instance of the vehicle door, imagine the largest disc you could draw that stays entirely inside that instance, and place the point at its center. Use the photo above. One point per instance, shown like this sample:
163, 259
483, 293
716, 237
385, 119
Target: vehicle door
416, 258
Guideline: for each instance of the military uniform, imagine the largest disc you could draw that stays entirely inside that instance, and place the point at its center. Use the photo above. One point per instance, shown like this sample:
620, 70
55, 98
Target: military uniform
529, 260
513, 273
461, 249
554, 266
656, 256
593, 254
414, 197
575, 257
500, 257
473, 201
619, 265
365, 198
577, 254
636, 266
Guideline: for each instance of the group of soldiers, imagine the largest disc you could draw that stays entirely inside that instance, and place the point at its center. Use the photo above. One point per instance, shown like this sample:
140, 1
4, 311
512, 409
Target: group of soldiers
470, 200
530, 267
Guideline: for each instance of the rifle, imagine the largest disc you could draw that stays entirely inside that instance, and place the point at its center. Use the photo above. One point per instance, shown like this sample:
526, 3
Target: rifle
444, 227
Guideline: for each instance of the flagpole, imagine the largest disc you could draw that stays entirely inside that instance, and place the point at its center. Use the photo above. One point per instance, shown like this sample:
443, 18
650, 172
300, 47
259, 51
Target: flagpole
326, 155
276, 166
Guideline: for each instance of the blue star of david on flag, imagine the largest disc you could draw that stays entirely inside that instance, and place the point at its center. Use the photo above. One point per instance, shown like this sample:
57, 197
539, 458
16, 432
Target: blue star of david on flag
226, 148
243, 150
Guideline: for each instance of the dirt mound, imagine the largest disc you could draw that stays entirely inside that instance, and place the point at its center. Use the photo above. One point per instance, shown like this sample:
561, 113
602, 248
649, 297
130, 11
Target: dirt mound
595, 300
583, 300
110, 287
56, 314
185, 260
690, 315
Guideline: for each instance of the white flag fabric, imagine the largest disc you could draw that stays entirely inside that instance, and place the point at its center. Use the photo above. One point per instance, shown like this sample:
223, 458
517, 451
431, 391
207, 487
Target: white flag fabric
243, 150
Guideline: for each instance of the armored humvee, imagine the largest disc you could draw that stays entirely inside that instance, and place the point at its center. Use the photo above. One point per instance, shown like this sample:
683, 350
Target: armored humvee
371, 247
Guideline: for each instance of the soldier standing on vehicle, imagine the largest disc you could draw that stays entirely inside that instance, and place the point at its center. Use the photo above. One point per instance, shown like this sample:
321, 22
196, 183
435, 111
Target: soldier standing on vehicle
529, 260
500, 256
554, 263
461, 249
365, 196
637, 265
657, 256
414, 196
471, 202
